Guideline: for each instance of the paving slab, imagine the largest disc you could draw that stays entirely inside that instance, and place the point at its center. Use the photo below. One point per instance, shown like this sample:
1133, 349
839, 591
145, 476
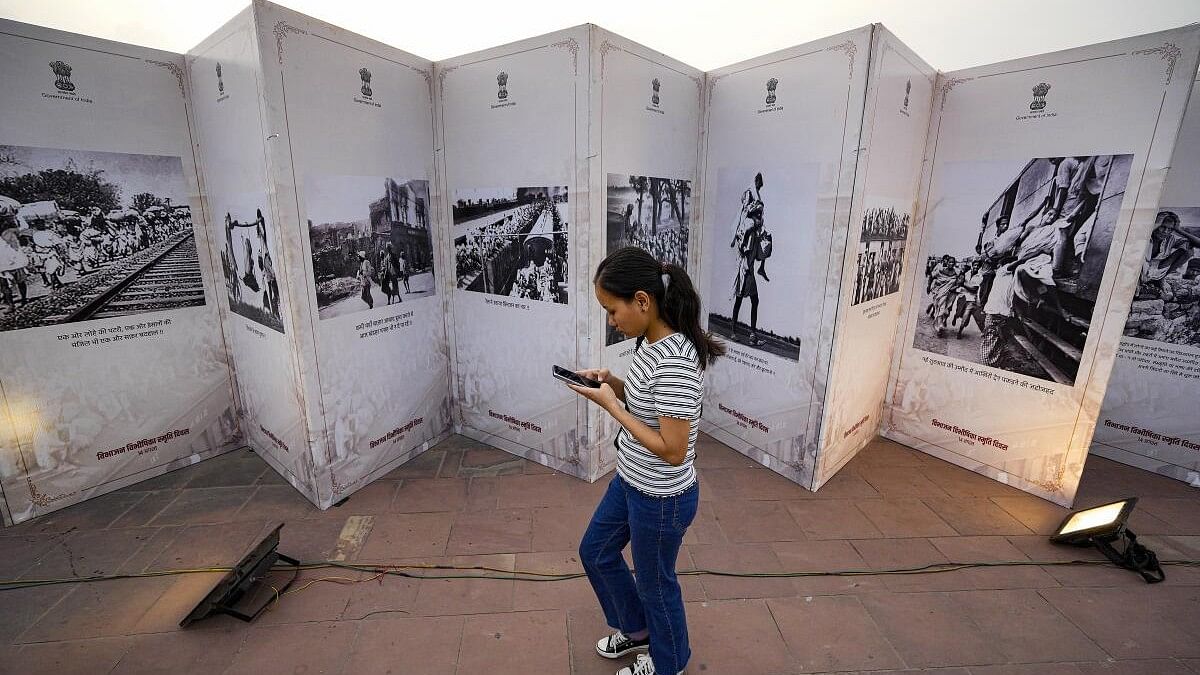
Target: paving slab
466, 504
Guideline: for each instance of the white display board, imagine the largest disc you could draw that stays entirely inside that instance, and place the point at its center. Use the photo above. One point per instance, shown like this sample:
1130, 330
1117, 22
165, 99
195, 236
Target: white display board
512, 124
524, 110
878, 259
1149, 415
1068, 151
112, 365
352, 174
318, 153
337, 252
644, 185
226, 76
781, 139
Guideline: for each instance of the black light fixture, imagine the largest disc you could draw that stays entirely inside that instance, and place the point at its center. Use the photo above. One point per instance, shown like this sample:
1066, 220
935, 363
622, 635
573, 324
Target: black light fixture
1102, 525
245, 579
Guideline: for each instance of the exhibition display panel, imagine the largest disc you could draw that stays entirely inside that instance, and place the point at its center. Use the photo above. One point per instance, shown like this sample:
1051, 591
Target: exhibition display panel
810, 157
512, 124
644, 186
112, 365
895, 122
1041, 179
1149, 415
226, 74
335, 311
338, 253
556, 151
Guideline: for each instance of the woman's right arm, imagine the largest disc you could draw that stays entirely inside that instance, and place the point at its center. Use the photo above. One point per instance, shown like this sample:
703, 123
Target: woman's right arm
605, 376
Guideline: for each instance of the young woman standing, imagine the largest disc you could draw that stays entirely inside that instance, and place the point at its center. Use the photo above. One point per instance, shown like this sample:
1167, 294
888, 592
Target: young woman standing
653, 498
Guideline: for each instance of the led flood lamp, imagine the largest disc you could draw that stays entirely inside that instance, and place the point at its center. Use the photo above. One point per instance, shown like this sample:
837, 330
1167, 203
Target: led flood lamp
244, 579
1100, 526
1100, 521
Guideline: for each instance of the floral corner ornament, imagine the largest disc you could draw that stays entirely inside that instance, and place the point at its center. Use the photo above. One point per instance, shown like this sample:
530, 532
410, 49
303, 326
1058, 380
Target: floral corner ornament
282, 30
1169, 52
850, 49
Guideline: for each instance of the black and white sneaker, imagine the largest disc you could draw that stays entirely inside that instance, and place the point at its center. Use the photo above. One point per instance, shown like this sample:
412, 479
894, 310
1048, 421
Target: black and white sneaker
618, 644
642, 666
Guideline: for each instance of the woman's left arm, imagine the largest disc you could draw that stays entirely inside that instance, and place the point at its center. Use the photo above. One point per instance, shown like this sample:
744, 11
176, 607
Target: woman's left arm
675, 407
669, 442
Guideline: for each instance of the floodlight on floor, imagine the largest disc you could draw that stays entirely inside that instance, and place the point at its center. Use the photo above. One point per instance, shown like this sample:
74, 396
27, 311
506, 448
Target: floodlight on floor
1102, 525
244, 579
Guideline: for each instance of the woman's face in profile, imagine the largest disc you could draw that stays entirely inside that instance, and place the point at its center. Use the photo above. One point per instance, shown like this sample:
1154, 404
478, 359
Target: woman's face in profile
627, 316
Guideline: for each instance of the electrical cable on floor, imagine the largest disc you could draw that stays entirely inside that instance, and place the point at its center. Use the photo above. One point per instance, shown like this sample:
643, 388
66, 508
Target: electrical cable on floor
499, 574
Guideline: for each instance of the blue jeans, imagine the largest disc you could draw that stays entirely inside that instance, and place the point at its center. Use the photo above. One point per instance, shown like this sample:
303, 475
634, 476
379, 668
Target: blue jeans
656, 526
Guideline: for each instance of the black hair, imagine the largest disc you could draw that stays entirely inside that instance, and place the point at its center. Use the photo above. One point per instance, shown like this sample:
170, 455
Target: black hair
631, 269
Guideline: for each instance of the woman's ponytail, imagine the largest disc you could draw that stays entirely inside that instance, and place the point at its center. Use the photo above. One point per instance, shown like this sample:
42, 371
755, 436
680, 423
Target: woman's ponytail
680, 308
631, 269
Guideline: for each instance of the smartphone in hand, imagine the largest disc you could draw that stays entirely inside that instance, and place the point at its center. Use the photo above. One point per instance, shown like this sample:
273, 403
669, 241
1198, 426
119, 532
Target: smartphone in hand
571, 377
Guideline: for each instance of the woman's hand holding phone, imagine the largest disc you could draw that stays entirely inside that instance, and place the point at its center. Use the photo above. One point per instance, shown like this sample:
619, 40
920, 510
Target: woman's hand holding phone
598, 374
603, 396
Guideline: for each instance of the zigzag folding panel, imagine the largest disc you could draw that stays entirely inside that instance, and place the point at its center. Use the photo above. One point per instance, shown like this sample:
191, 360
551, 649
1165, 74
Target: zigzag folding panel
895, 118
229, 138
338, 252
645, 184
317, 148
1148, 419
590, 144
512, 123
112, 367
1041, 180
815, 150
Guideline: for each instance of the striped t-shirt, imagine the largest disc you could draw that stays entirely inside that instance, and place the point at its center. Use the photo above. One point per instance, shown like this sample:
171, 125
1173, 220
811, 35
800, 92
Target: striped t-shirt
664, 380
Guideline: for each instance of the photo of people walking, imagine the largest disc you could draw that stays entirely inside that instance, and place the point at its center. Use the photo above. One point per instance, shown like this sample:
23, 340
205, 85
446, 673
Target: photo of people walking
371, 242
90, 235
513, 242
1027, 271
652, 214
740, 270
880, 262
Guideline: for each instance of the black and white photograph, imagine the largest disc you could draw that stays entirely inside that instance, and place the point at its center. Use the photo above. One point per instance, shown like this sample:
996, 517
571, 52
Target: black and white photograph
371, 242
248, 261
512, 242
1166, 307
652, 214
762, 218
92, 235
1016, 254
880, 261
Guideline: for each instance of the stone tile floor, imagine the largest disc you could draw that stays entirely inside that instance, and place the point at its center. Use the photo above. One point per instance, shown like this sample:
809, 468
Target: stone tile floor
464, 503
